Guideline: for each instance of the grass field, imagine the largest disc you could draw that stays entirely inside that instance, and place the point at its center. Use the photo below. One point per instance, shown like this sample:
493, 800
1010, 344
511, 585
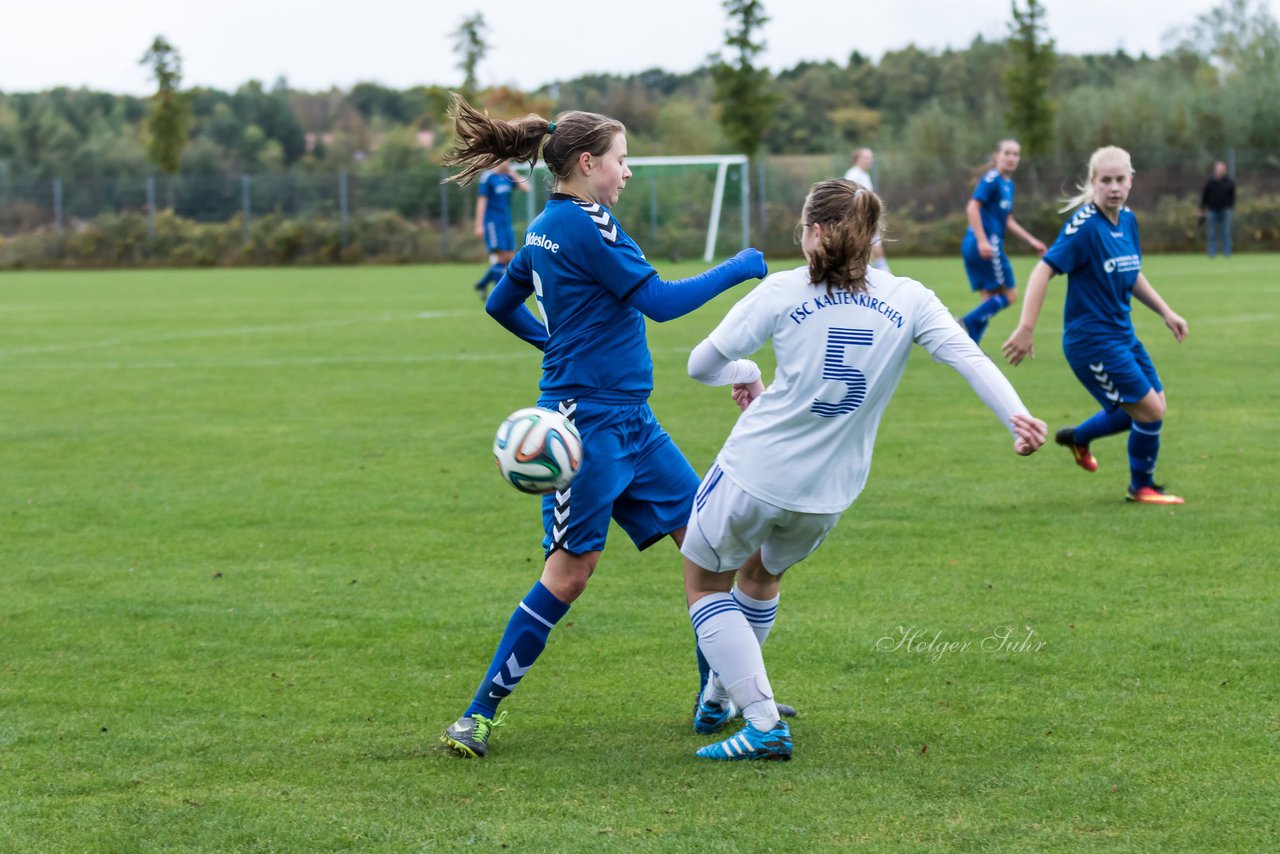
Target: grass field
254, 556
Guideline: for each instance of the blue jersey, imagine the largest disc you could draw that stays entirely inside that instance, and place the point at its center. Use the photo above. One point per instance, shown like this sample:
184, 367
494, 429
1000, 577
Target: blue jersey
995, 193
582, 267
496, 187
1102, 262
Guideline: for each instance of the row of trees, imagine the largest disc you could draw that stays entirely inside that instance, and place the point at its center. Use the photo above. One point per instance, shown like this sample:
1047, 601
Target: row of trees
1217, 86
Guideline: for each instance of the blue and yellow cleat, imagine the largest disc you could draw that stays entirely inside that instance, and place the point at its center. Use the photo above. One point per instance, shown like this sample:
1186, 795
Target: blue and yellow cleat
751, 743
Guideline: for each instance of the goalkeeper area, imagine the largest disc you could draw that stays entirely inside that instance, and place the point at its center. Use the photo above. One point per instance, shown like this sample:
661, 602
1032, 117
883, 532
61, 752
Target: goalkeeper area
255, 554
696, 206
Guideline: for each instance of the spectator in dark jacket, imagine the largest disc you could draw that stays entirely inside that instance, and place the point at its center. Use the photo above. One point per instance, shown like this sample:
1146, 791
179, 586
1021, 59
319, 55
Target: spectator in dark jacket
1216, 202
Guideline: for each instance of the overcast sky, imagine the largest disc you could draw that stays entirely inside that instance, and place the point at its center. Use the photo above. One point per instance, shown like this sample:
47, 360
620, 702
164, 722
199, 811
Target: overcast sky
316, 45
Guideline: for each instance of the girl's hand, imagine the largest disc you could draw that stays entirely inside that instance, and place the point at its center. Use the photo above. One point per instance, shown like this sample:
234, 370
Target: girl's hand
744, 393
1030, 434
986, 250
1037, 246
1176, 325
1019, 346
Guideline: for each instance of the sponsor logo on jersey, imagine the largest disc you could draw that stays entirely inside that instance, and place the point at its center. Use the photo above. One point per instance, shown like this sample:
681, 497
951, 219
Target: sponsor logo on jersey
1123, 264
543, 241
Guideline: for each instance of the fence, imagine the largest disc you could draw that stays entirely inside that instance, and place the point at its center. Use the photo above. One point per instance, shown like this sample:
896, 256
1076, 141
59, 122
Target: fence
416, 216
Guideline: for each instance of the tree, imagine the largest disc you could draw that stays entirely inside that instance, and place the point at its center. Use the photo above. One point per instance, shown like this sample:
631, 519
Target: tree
471, 47
1235, 36
170, 116
1026, 81
743, 91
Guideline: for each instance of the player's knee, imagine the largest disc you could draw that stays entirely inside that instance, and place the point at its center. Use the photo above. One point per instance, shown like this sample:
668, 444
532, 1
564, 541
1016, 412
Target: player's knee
1011, 295
566, 575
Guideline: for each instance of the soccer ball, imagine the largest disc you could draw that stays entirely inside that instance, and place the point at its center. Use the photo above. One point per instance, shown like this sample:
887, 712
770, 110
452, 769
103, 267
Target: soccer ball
538, 451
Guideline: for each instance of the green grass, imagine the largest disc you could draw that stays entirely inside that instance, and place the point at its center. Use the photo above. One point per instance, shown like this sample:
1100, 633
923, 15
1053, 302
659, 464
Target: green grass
254, 556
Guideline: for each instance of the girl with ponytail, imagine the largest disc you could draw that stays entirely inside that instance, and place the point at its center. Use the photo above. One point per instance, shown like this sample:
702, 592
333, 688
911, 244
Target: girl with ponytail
801, 450
593, 290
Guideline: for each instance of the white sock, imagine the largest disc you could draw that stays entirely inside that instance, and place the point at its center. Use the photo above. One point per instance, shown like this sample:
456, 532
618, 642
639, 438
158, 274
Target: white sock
715, 692
760, 613
731, 648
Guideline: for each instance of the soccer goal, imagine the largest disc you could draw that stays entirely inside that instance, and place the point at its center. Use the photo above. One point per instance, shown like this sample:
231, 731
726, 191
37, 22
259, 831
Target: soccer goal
678, 206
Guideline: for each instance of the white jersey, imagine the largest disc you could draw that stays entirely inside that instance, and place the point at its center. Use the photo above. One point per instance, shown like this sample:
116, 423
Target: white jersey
859, 176
805, 444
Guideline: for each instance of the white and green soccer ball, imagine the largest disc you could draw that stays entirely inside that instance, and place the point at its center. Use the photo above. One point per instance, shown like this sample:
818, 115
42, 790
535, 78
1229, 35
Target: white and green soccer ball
537, 450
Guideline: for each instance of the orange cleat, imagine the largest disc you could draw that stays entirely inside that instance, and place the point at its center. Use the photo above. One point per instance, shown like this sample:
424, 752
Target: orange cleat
1066, 437
1151, 495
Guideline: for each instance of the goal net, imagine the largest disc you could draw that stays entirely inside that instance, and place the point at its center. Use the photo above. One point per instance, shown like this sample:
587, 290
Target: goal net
674, 207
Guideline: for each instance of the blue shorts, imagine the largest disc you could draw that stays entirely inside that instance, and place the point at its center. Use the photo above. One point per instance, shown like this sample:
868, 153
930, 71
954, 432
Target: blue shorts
631, 472
987, 274
499, 236
1122, 374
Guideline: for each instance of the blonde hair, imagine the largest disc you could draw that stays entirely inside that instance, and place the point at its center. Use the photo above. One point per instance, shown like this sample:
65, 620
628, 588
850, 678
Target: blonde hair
850, 218
482, 143
1085, 188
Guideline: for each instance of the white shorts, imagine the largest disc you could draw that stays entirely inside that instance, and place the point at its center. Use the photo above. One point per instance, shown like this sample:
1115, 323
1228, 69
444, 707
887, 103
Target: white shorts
728, 524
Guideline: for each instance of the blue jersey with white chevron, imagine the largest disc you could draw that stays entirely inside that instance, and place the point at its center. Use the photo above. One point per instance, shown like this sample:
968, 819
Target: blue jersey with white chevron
582, 267
496, 188
1102, 261
995, 194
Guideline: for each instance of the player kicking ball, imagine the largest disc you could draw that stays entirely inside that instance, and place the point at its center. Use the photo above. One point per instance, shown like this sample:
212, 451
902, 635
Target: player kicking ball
799, 454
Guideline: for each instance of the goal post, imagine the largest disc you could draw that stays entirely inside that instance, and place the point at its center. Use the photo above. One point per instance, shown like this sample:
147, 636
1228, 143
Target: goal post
696, 183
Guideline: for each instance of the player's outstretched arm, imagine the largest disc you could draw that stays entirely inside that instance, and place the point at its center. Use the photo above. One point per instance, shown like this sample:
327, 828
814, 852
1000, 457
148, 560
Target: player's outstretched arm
995, 391
1147, 295
506, 305
662, 301
1020, 343
1027, 237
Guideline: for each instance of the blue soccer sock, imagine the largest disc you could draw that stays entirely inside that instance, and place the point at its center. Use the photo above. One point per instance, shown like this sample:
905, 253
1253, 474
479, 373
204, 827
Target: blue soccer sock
491, 276
976, 321
704, 668
521, 644
1144, 448
1104, 422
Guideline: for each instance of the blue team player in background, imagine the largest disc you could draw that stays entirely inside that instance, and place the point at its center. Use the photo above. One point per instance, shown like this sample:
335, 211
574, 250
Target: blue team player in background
593, 289
1101, 255
493, 220
990, 214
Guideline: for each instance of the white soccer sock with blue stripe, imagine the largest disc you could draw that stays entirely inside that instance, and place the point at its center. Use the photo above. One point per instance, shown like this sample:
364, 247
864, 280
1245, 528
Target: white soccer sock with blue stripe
730, 645
760, 614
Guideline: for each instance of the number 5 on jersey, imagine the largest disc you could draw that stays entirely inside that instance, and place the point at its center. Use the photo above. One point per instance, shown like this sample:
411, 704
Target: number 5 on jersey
834, 368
